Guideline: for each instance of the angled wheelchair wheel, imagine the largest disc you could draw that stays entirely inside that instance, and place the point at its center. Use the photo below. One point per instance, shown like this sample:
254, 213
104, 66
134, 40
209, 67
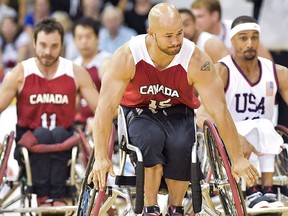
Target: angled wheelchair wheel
202, 155
282, 130
4, 155
282, 158
90, 200
85, 148
229, 191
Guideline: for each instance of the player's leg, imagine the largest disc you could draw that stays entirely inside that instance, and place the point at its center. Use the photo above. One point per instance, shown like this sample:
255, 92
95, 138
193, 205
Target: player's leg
180, 139
59, 172
40, 162
146, 134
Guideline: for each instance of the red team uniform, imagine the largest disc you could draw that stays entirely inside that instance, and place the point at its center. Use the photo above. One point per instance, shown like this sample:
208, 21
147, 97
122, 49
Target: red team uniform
157, 89
45, 103
159, 110
84, 111
47, 108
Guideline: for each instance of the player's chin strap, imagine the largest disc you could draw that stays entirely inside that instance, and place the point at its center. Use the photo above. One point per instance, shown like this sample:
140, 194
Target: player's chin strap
243, 27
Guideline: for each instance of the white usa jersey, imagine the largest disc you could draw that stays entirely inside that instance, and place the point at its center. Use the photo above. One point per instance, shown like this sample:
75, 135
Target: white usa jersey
246, 100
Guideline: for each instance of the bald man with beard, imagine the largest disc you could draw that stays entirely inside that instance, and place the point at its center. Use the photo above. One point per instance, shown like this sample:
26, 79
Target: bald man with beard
153, 77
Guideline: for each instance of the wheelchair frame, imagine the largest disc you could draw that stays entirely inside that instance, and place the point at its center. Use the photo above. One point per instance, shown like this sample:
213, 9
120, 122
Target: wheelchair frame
131, 188
10, 198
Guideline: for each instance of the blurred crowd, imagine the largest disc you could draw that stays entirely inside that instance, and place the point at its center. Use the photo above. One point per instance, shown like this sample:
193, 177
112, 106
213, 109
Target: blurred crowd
121, 19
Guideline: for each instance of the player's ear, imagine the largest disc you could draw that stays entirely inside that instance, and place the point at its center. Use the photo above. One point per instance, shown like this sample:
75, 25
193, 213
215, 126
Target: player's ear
149, 32
34, 43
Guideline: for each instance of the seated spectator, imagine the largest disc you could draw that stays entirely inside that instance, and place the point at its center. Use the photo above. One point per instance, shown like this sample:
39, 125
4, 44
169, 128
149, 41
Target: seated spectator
113, 34
41, 10
5, 10
121, 4
91, 8
21, 7
14, 43
70, 50
71, 7
137, 17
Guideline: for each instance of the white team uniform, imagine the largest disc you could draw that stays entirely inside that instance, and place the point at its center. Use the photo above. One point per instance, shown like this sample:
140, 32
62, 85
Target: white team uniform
96, 61
252, 105
224, 34
203, 38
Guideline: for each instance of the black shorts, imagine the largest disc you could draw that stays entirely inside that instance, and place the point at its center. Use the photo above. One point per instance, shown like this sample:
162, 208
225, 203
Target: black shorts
165, 139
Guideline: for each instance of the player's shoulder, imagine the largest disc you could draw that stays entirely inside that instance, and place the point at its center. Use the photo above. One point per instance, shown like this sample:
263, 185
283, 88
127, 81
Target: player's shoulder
224, 63
199, 55
18, 70
122, 53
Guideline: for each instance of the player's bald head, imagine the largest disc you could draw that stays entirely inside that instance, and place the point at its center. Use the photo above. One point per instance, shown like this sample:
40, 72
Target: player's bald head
163, 15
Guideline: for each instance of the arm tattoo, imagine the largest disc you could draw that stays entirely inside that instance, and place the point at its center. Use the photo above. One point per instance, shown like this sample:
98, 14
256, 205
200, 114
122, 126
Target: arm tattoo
206, 66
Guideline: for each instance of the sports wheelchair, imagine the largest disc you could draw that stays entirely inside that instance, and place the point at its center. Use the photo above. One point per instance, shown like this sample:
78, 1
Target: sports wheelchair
280, 178
16, 195
128, 191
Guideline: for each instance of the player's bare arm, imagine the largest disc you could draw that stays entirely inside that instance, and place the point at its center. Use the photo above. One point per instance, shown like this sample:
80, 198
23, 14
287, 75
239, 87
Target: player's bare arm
86, 86
210, 88
10, 86
211, 91
282, 73
115, 80
101, 69
201, 114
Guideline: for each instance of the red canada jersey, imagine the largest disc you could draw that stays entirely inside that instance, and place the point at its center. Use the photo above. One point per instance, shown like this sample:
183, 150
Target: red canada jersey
159, 89
47, 103
92, 67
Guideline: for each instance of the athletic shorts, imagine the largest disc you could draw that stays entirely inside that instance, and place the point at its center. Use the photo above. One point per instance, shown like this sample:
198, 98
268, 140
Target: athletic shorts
166, 138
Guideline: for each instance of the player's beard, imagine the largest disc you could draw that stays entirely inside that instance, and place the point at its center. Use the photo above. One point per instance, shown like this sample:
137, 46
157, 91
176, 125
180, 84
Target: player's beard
171, 50
249, 55
47, 61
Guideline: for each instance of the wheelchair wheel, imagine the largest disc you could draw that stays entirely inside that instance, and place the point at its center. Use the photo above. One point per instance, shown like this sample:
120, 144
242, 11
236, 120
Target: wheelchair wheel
229, 191
4, 155
90, 200
203, 158
282, 130
282, 158
85, 148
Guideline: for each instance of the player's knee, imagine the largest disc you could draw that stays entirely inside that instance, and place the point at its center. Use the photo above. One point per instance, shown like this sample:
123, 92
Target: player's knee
43, 135
60, 134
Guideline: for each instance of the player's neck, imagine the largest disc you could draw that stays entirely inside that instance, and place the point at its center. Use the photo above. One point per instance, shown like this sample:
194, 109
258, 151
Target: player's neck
142, 8
87, 59
159, 58
251, 68
47, 71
